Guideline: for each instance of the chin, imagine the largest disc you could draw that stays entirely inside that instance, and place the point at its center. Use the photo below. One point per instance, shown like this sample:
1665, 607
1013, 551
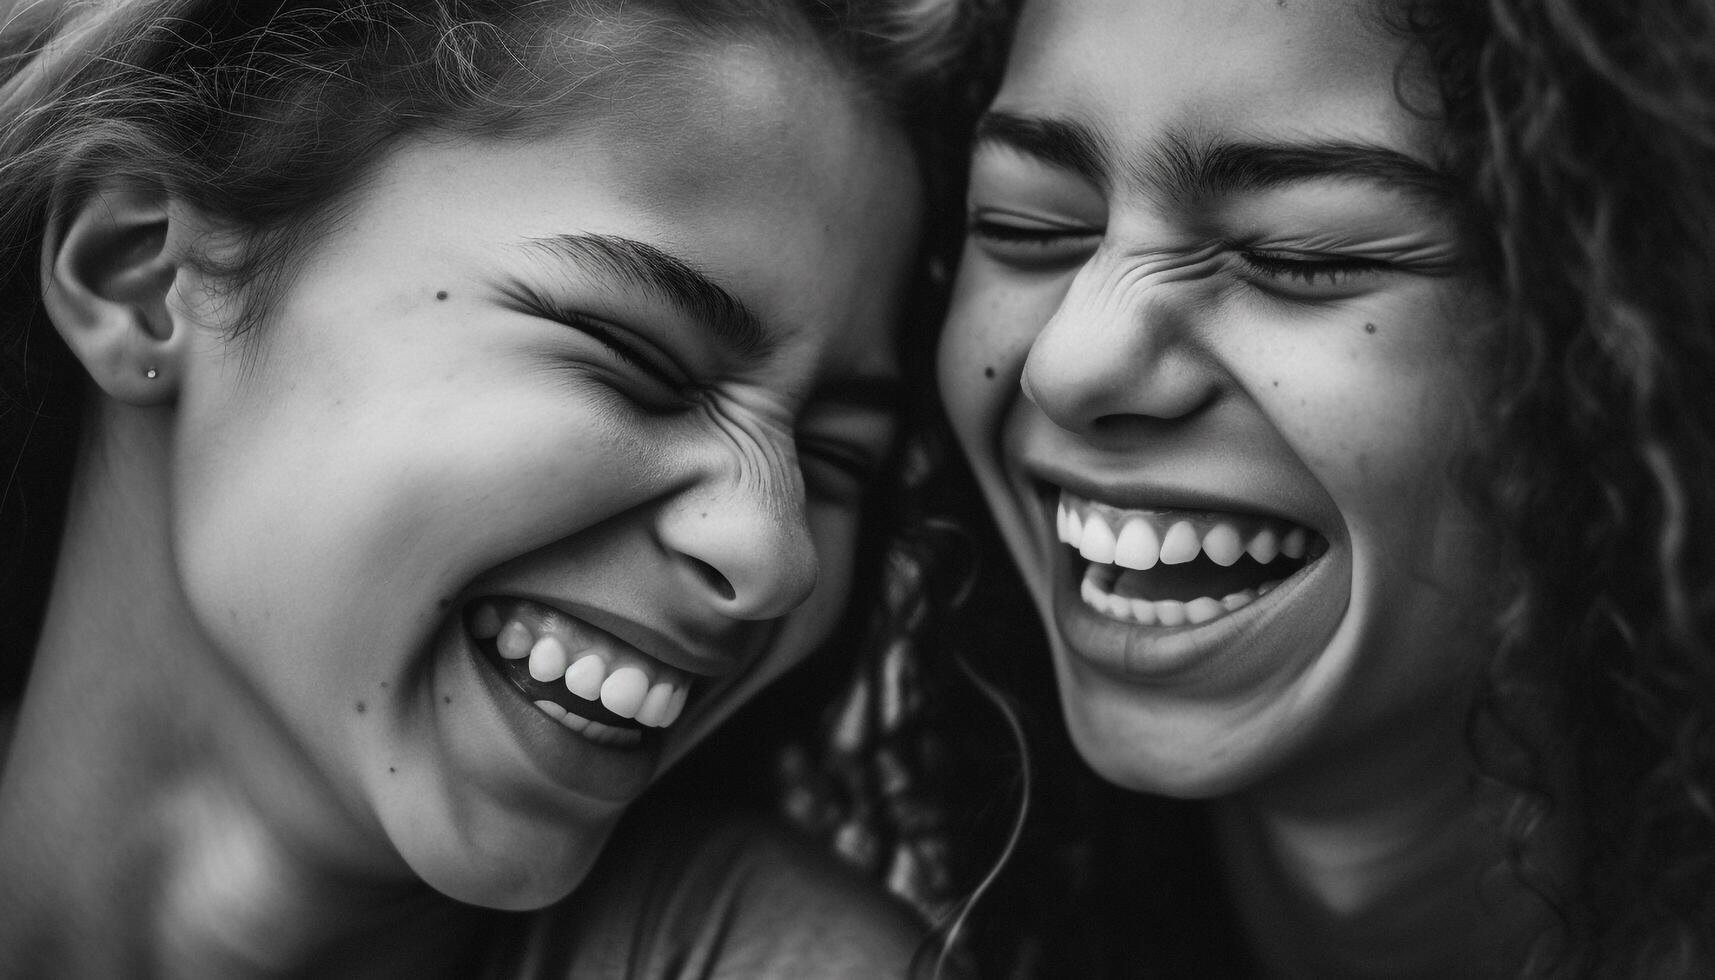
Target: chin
1169, 746
526, 874
1186, 775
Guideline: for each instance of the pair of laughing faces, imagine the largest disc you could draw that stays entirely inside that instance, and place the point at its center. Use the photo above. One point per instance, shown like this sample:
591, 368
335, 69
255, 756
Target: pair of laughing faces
614, 391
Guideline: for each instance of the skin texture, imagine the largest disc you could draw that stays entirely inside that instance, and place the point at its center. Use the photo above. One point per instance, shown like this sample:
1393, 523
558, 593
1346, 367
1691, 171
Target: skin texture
288, 730
1299, 346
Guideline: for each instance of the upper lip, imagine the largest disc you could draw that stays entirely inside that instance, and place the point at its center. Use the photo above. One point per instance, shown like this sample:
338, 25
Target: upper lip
700, 659
1152, 494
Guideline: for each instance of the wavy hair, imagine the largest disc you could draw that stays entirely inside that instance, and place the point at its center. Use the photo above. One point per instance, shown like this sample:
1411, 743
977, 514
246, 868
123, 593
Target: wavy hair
1585, 132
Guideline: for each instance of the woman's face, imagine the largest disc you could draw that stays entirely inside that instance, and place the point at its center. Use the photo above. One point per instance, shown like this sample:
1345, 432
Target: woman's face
613, 394
1210, 352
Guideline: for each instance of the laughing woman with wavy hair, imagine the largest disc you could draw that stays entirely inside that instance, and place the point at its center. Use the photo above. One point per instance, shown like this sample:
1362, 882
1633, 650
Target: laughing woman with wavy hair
436, 420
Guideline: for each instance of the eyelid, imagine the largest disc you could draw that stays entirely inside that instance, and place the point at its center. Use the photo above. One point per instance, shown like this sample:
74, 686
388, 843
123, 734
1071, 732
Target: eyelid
625, 350
628, 345
1029, 221
1301, 274
1030, 241
1020, 218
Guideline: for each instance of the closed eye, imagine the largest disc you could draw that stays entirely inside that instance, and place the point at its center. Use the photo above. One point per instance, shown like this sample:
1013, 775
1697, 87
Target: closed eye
625, 351
626, 346
1309, 275
1031, 243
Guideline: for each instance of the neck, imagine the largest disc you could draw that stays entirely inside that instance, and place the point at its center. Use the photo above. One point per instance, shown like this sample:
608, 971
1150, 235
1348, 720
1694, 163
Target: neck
1382, 866
154, 818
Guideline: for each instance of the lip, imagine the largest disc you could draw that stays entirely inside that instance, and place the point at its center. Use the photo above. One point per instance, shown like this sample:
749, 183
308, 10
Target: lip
1298, 615
615, 774
647, 640
1154, 494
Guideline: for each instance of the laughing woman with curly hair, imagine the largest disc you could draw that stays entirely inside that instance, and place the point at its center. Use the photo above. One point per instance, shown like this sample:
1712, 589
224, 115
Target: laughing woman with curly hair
1338, 375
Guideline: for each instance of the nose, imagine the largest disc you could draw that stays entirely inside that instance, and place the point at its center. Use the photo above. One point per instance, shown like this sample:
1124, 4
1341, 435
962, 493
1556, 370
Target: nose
741, 539
1120, 349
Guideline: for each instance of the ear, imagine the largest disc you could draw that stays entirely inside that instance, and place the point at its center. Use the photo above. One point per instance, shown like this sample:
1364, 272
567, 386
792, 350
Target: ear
108, 267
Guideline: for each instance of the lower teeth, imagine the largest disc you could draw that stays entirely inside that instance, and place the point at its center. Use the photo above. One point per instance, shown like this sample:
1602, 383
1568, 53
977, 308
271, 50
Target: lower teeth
1163, 612
595, 731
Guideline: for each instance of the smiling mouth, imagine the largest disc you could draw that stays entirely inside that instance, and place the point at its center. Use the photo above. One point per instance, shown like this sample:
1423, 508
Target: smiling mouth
1171, 568
587, 680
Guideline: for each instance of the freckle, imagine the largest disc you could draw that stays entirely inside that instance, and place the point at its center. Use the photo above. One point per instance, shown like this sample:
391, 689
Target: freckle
391, 769
988, 372
1276, 384
441, 295
384, 685
1369, 328
361, 707
447, 700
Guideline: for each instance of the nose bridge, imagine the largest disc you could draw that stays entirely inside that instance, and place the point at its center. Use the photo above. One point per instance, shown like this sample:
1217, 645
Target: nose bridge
739, 531
1120, 344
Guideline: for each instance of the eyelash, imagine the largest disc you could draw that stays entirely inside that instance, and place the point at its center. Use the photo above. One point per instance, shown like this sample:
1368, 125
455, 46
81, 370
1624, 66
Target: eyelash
1324, 270
1010, 234
1030, 246
1000, 232
538, 305
625, 352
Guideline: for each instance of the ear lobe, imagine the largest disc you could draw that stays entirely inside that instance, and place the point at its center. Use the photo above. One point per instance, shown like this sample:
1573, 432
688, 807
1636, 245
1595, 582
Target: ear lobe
108, 267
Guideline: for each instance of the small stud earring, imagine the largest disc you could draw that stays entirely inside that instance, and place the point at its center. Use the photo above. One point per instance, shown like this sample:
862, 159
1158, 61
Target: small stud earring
151, 374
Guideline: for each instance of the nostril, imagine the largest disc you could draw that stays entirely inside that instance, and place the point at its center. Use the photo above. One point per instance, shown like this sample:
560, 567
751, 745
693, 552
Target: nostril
716, 580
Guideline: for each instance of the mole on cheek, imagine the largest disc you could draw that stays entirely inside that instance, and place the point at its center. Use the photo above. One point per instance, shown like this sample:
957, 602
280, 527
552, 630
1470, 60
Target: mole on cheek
1369, 328
988, 372
441, 295
361, 707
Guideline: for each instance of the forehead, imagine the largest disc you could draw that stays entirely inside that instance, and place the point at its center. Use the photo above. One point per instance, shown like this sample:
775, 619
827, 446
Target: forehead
1253, 69
761, 164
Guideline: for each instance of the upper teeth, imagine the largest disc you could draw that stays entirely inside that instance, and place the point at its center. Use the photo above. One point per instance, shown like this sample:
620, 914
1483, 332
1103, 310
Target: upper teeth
1141, 539
592, 664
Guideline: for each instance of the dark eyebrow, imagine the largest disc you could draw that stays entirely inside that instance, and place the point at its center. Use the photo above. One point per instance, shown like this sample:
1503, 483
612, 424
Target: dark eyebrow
671, 280
1060, 142
1189, 168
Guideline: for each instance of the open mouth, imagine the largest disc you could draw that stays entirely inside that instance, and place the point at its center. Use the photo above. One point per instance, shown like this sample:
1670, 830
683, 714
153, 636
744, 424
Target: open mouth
586, 679
1177, 567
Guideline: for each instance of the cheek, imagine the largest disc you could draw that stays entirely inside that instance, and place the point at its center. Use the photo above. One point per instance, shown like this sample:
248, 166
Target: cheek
1375, 402
1380, 422
1375, 436
278, 514
965, 372
990, 328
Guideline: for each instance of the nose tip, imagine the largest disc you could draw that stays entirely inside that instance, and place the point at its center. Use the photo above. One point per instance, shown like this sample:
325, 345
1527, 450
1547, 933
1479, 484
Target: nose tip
1093, 366
745, 561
